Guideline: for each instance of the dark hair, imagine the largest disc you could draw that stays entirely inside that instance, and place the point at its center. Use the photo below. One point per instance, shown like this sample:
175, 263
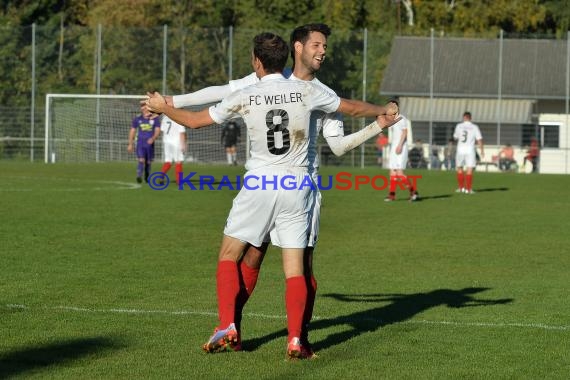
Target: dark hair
467, 114
272, 51
301, 34
395, 102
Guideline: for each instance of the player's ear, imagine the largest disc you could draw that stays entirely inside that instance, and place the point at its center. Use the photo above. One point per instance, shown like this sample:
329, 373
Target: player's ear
298, 46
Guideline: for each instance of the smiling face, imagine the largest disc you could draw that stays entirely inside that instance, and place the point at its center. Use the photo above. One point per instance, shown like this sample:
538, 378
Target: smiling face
310, 55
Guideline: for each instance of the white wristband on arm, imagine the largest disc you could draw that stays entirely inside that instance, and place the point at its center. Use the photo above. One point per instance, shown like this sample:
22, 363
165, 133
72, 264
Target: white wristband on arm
342, 144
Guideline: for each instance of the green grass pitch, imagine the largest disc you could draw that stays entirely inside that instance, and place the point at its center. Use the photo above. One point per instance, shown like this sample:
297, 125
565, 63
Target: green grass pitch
103, 280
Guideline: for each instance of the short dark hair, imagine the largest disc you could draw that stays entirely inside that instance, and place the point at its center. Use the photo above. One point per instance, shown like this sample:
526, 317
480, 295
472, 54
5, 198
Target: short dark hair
467, 114
272, 51
301, 34
395, 101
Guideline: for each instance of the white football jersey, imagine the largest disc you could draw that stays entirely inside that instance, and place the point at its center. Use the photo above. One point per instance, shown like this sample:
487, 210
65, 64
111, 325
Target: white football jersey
277, 114
466, 134
396, 131
330, 124
171, 131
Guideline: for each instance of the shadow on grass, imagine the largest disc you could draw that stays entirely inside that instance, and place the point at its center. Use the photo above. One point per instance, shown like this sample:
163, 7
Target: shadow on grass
25, 359
443, 196
492, 189
402, 307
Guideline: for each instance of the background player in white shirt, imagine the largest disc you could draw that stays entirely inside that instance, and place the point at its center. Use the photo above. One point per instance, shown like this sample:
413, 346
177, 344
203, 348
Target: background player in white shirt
467, 134
277, 114
308, 50
174, 144
399, 158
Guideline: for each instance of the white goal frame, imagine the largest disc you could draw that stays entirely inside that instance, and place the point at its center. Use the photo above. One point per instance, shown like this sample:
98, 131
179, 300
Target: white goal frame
49, 158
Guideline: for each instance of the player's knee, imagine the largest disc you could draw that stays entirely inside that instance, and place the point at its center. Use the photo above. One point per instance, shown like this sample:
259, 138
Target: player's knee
254, 256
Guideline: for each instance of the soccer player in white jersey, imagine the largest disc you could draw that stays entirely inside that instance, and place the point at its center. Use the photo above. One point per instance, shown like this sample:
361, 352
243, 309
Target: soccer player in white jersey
277, 114
308, 50
467, 134
174, 145
399, 158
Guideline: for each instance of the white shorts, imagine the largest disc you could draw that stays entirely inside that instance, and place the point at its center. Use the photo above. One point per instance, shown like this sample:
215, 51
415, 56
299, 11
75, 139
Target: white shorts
467, 160
314, 225
287, 212
398, 161
173, 152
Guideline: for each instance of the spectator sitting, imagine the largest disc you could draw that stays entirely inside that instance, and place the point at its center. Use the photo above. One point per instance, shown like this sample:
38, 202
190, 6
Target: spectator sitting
435, 162
507, 158
416, 157
449, 153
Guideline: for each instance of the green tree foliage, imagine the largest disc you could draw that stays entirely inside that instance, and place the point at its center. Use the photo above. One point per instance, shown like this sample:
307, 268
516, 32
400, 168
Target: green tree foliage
198, 35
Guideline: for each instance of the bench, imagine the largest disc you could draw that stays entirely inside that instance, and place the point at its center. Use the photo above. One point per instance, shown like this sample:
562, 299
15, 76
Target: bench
487, 164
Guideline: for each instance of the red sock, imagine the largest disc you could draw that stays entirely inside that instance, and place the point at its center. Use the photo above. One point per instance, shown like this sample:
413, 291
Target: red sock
409, 185
227, 279
248, 278
166, 167
469, 181
308, 314
461, 180
295, 301
178, 169
393, 180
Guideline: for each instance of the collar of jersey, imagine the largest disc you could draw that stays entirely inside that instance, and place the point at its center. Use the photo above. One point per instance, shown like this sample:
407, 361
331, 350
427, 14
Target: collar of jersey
272, 77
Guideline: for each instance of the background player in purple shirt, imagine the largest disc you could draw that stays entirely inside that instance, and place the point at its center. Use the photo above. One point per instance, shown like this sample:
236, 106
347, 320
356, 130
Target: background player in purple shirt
146, 127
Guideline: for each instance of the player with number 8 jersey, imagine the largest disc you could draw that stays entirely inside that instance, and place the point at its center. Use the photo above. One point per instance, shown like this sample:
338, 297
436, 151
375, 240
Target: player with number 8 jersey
277, 114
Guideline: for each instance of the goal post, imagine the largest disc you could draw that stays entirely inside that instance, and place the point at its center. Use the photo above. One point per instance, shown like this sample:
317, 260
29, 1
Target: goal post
95, 128
88, 128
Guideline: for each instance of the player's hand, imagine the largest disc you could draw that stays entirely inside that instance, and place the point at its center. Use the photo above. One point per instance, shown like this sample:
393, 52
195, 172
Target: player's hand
130, 148
385, 121
169, 100
392, 109
155, 102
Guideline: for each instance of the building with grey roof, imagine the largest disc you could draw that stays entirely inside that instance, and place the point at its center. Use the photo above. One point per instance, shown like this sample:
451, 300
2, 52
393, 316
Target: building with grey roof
515, 89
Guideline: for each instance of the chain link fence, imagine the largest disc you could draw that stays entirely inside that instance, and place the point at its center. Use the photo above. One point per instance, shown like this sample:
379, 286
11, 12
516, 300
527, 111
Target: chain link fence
38, 60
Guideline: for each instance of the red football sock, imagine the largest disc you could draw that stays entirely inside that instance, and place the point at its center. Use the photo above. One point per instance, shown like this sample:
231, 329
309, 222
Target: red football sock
227, 280
248, 278
178, 169
409, 185
166, 167
461, 180
308, 314
393, 180
295, 301
469, 180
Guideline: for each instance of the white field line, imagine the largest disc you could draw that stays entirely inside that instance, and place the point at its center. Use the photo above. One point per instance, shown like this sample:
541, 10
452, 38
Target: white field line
541, 326
113, 185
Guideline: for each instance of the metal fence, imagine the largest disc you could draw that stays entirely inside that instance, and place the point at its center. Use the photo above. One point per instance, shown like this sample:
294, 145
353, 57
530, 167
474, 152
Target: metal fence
39, 60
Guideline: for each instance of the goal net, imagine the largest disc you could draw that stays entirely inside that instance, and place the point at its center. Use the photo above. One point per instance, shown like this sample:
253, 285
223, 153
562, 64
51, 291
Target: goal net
95, 128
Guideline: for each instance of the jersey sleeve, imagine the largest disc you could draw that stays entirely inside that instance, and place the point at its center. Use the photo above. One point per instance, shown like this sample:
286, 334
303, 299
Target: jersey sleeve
456, 133
224, 110
478, 135
208, 95
238, 84
333, 125
323, 100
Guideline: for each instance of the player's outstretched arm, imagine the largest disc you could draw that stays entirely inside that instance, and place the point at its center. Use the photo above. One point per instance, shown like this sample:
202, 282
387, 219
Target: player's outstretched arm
212, 94
341, 144
358, 108
208, 95
157, 104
